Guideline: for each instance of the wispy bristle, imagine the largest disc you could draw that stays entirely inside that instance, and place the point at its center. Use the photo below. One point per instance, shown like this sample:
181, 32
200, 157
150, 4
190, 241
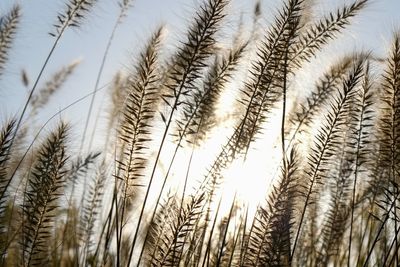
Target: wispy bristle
8, 28
45, 187
6, 135
124, 6
318, 35
73, 16
42, 97
25, 78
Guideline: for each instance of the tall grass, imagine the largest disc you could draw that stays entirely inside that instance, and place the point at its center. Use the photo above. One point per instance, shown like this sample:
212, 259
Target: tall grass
142, 198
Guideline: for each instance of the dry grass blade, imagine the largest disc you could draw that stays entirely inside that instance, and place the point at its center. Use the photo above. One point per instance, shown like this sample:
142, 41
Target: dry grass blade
198, 113
138, 113
5, 141
335, 218
8, 28
389, 127
269, 72
42, 97
171, 245
91, 212
135, 128
270, 235
191, 57
323, 90
45, 188
390, 118
361, 137
124, 7
328, 138
315, 36
74, 14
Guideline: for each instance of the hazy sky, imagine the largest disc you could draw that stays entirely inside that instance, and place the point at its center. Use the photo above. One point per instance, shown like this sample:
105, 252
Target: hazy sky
371, 30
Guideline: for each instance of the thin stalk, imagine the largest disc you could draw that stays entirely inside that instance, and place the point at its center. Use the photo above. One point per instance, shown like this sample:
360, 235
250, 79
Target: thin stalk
109, 231
246, 242
284, 89
158, 201
118, 236
106, 223
234, 244
391, 246
18, 125
70, 205
305, 207
313, 181
164, 137
243, 241
181, 203
99, 74
364, 232
167, 175
357, 165
394, 172
221, 252
380, 230
186, 178
208, 248
207, 218
393, 257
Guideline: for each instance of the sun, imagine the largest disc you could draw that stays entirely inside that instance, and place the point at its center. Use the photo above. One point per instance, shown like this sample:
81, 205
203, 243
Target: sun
248, 178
